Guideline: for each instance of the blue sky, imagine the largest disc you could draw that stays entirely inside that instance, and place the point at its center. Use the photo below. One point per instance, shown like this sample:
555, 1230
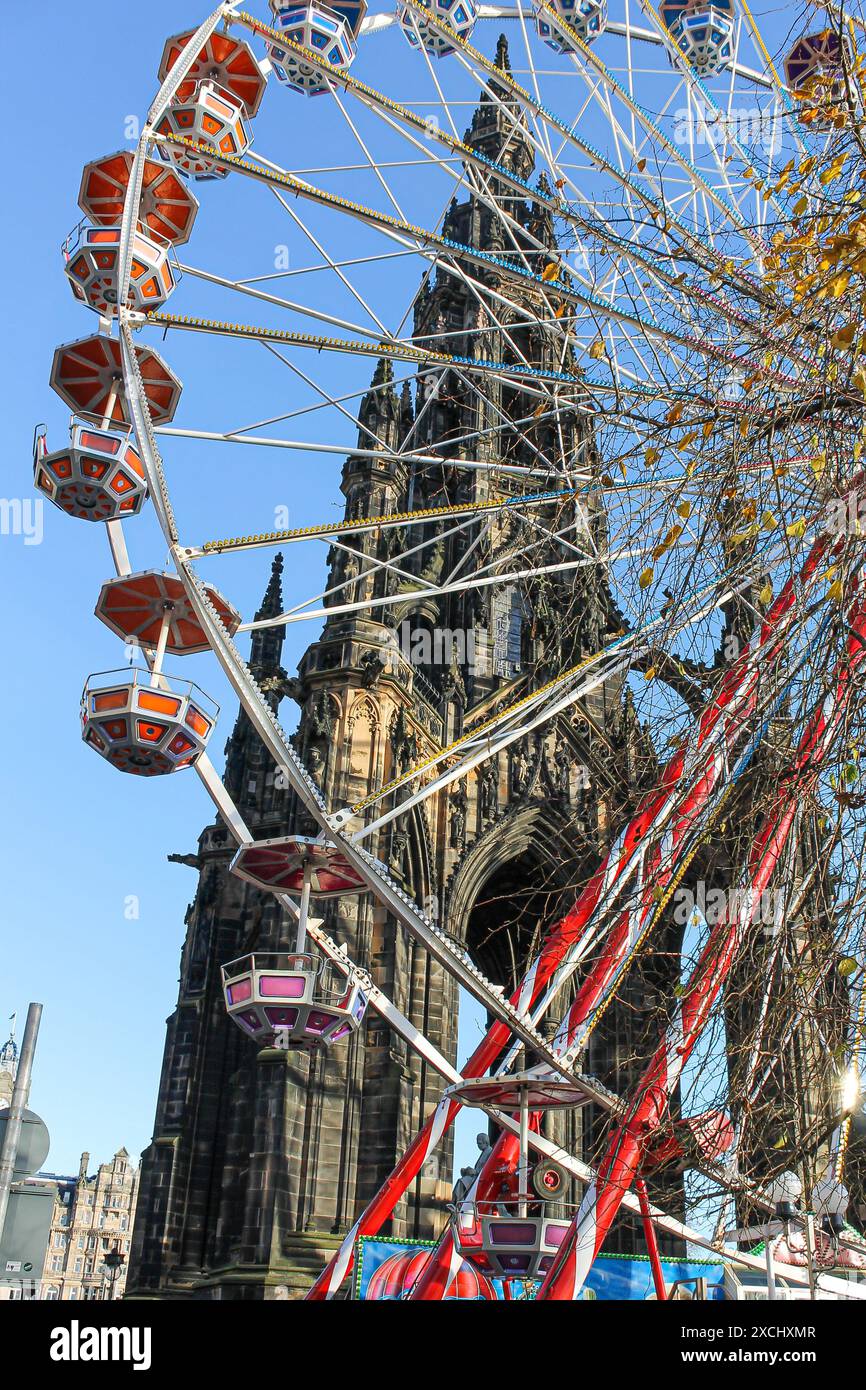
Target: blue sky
85, 848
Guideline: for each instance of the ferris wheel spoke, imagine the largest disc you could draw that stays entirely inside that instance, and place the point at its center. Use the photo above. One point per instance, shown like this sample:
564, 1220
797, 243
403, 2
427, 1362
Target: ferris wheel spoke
558, 694
479, 66
500, 171
696, 85
328, 400
252, 292
436, 248
377, 168
343, 278
427, 516
585, 56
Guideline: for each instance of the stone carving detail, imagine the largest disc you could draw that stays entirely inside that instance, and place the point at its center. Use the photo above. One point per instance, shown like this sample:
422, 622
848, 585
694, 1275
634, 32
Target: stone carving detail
372, 666
488, 789
521, 771
457, 803
364, 708
404, 742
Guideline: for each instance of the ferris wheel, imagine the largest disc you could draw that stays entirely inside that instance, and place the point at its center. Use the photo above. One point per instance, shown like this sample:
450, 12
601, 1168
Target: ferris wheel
620, 343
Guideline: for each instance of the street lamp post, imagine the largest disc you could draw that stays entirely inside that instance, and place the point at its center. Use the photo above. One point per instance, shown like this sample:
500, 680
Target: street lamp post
113, 1262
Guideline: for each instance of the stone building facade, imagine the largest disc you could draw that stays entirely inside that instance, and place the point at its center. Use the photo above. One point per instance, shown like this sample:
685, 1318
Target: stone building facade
93, 1217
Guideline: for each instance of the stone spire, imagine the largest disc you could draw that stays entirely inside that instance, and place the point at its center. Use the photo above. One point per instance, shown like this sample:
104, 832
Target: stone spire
243, 749
379, 412
267, 644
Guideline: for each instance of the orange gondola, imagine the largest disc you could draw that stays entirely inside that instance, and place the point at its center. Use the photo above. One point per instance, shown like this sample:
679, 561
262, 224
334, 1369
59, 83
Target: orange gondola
168, 205
97, 477
208, 118
87, 374
142, 728
228, 62
92, 256
135, 606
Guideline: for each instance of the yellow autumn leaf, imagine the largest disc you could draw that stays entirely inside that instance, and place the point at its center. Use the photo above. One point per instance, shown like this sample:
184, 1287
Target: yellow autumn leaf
596, 349
646, 578
844, 337
766, 594
651, 456
684, 510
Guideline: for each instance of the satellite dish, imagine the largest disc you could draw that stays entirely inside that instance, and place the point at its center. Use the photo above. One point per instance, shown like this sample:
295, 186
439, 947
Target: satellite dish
33, 1146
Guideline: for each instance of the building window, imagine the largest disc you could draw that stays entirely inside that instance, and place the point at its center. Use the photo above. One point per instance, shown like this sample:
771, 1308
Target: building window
57, 1264
77, 1266
51, 1292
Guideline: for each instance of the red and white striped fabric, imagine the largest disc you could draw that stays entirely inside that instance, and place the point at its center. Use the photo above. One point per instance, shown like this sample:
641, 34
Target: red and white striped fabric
395, 1277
